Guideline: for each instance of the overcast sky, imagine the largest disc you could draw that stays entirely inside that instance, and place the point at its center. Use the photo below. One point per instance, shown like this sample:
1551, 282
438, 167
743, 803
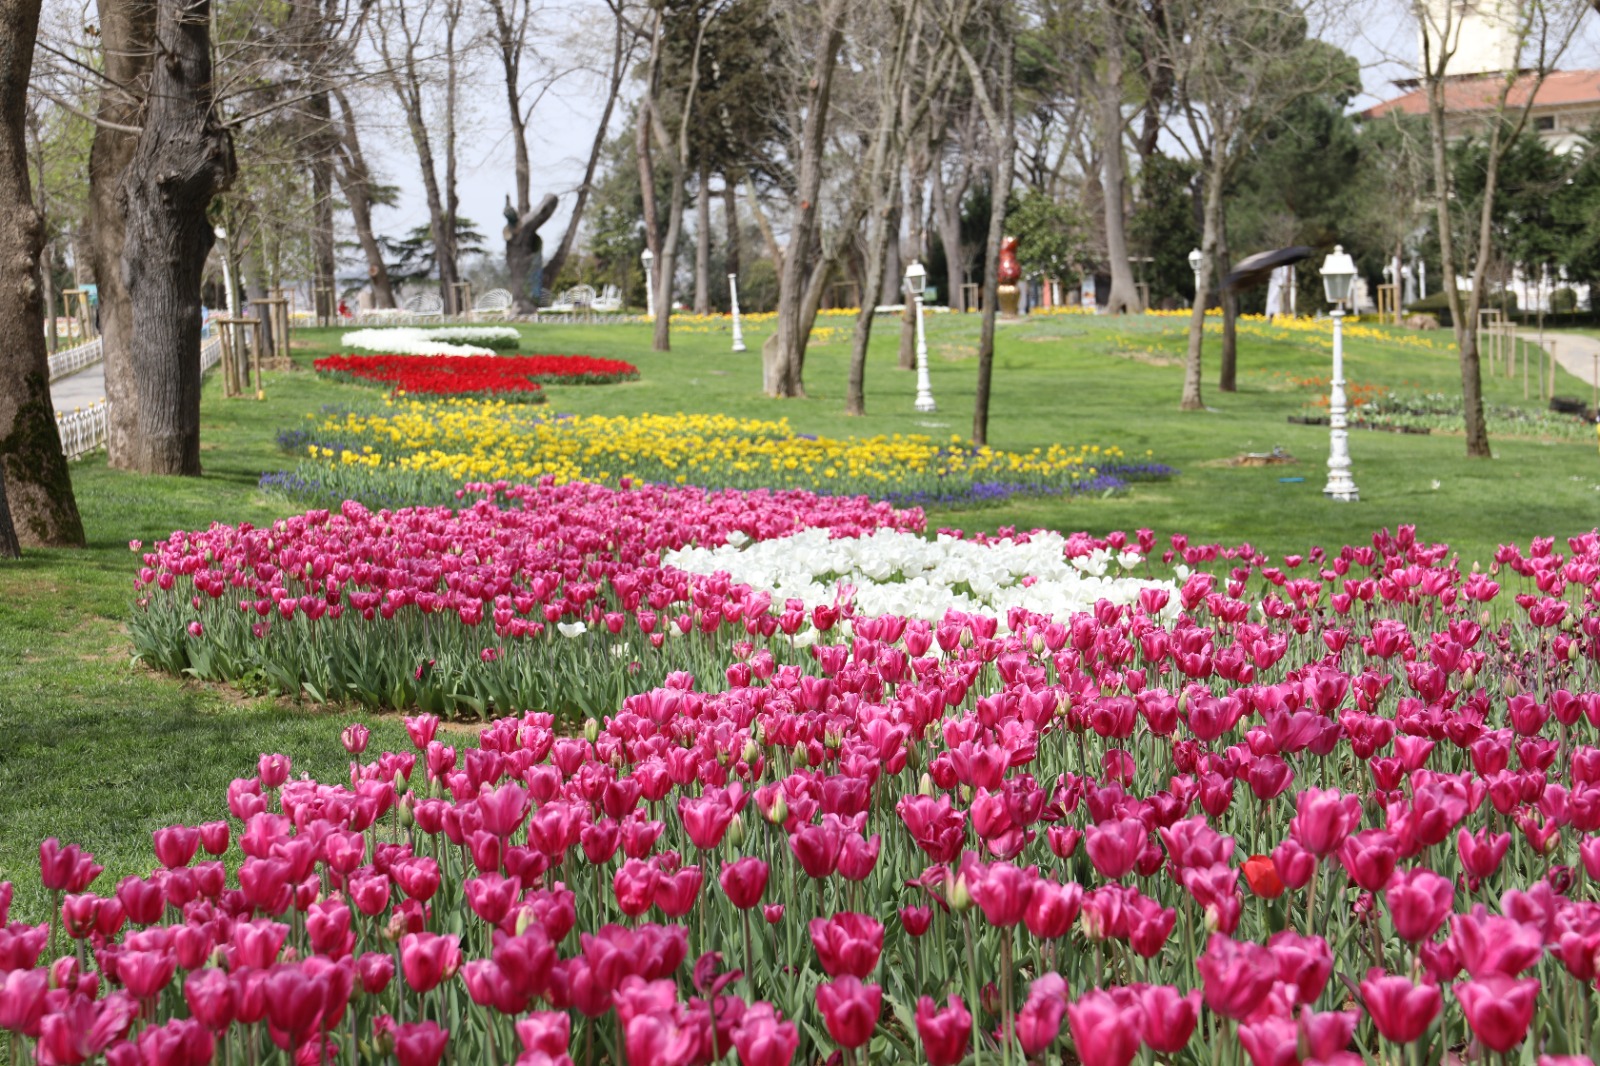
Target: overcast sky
1379, 33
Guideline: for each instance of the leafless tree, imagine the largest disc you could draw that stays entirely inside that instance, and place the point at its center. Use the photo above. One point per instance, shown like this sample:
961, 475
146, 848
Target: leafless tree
1542, 34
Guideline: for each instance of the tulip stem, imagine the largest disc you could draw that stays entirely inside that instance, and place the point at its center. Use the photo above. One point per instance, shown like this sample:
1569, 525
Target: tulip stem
1009, 1031
972, 991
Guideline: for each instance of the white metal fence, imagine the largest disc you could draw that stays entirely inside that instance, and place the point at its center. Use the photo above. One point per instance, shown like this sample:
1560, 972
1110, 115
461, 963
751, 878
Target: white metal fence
84, 430
71, 360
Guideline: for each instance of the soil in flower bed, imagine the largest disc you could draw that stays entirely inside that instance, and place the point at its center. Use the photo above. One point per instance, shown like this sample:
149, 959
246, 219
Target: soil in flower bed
518, 377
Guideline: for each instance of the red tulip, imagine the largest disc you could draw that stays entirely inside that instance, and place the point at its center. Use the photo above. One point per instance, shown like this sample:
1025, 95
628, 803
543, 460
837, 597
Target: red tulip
1498, 1008
1400, 1010
849, 1009
946, 1033
1261, 874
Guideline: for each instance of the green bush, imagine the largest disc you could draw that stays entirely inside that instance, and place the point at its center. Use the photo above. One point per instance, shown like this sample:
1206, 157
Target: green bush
1563, 301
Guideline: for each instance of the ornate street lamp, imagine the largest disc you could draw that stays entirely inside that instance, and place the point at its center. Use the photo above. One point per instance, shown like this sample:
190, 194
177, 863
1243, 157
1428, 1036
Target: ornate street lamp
733, 298
1338, 275
916, 282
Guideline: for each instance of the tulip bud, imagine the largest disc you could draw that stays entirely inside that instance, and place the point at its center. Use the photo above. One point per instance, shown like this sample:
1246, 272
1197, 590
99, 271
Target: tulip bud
779, 813
956, 892
1509, 686
750, 753
914, 757
1468, 679
1572, 652
408, 816
736, 831
591, 730
399, 781
925, 785
800, 758
966, 638
833, 740
525, 918
758, 733
1038, 644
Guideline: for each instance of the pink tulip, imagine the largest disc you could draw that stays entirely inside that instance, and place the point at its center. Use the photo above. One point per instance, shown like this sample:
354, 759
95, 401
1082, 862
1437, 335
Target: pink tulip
1401, 1011
762, 1038
1105, 1032
1419, 901
420, 1043
1498, 1008
428, 959
849, 1009
1237, 975
744, 881
946, 1034
1039, 1022
1114, 847
1169, 1018
847, 944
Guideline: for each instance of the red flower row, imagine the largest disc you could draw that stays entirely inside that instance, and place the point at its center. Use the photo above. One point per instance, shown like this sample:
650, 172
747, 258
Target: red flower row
514, 376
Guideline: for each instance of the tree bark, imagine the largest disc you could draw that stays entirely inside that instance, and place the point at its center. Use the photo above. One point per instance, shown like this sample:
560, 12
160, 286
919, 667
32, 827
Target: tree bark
702, 244
1228, 372
183, 159
947, 213
1005, 146
915, 247
1124, 293
9, 548
326, 304
1212, 219
885, 221
127, 35
730, 222
783, 374
39, 506
522, 245
355, 179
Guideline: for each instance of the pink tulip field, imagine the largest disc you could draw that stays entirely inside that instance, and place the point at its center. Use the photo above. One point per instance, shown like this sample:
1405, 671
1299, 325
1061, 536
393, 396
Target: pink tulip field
1324, 809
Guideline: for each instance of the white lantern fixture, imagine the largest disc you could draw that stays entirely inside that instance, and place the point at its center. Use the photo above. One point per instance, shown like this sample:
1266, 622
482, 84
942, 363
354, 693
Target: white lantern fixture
1338, 277
916, 284
1195, 259
646, 258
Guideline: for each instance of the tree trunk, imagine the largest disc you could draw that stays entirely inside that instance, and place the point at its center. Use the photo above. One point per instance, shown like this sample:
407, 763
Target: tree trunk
9, 548
666, 268
1212, 221
947, 213
40, 508
702, 244
1124, 293
522, 253
730, 222
184, 158
1228, 373
326, 304
621, 49
127, 36
783, 376
1003, 168
355, 180
885, 220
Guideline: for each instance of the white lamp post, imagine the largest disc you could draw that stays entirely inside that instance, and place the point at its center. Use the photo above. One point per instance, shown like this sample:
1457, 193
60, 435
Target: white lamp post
1195, 259
1338, 274
646, 257
227, 273
916, 282
733, 298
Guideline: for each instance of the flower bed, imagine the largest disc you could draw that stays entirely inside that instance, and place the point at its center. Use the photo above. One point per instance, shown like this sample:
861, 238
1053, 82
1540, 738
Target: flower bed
516, 377
1337, 809
534, 596
434, 340
419, 452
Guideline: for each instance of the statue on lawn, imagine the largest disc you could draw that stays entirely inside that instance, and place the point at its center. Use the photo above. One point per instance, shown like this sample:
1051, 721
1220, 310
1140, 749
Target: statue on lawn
1008, 275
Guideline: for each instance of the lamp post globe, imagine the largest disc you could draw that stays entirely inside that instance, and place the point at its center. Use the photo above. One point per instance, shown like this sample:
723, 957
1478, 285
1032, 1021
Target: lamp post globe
647, 258
1338, 278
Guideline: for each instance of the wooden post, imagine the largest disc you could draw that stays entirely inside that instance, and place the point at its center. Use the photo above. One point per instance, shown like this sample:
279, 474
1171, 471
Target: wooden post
1524, 344
280, 332
462, 294
1594, 377
1552, 368
230, 371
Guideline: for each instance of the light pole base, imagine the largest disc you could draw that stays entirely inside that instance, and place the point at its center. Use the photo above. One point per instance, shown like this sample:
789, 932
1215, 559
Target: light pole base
926, 406
1342, 493
739, 347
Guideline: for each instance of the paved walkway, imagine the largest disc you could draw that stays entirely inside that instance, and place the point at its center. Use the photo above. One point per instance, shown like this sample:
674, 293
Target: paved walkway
1576, 353
80, 389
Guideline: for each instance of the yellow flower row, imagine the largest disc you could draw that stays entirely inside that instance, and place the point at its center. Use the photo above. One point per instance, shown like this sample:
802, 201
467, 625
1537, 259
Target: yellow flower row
490, 440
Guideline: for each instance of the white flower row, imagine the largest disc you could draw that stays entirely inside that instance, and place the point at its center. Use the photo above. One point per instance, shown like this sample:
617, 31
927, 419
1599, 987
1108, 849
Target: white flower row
891, 572
414, 340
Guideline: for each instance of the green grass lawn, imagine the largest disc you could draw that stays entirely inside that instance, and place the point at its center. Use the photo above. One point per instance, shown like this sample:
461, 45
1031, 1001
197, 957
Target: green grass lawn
100, 752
